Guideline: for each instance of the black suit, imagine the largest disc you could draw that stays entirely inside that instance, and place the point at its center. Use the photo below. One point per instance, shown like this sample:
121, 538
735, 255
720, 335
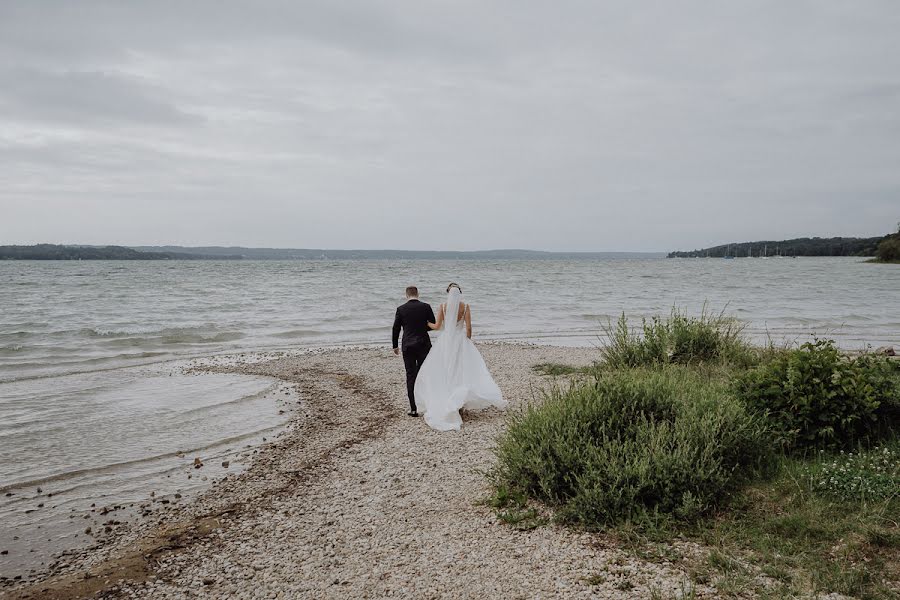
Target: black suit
413, 317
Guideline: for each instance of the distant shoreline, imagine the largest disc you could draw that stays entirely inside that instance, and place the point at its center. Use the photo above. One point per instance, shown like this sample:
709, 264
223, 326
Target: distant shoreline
815, 246
71, 252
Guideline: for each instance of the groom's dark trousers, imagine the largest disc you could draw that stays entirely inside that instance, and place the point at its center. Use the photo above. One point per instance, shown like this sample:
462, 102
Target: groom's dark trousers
413, 318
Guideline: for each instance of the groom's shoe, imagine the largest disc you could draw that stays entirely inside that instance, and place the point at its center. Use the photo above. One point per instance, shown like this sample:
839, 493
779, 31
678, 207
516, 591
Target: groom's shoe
412, 413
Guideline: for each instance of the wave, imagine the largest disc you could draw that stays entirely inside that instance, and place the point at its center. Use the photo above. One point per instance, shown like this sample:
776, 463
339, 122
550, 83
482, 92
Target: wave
112, 467
88, 362
121, 331
297, 333
165, 335
16, 335
240, 400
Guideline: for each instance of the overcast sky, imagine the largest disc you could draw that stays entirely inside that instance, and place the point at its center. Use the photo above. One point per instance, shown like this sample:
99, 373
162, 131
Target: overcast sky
592, 125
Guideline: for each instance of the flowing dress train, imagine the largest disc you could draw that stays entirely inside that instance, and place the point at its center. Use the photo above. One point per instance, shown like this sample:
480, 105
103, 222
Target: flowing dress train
454, 375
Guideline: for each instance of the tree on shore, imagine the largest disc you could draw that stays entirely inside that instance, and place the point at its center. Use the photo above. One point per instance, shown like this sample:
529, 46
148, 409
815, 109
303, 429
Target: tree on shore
889, 248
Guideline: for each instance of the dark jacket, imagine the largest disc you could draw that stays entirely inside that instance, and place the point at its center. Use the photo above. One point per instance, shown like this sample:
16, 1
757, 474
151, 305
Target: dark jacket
413, 317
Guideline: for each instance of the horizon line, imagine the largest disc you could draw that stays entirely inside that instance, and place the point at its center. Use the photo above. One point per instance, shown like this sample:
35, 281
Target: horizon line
335, 249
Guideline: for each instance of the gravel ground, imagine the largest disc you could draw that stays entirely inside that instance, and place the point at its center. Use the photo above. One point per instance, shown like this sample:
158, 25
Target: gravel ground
357, 500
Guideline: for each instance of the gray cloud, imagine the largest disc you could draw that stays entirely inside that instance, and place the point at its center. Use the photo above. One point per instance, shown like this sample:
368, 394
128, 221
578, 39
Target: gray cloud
77, 96
580, 125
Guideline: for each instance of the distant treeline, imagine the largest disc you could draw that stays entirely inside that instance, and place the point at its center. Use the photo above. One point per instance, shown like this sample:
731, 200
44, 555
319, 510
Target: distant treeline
838, 246
59, 252
323, 254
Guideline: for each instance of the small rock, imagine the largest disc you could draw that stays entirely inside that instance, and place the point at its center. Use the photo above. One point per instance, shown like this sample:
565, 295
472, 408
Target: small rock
225, 463
198, 463
886, 350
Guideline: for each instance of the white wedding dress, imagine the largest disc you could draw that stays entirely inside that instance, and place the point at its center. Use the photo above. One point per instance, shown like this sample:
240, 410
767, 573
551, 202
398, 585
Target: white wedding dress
454, 375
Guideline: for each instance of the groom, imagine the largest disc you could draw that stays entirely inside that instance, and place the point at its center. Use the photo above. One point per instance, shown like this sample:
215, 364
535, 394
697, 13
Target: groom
413, 317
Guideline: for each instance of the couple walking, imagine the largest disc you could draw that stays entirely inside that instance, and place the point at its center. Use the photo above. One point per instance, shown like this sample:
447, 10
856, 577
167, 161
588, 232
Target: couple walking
452, 375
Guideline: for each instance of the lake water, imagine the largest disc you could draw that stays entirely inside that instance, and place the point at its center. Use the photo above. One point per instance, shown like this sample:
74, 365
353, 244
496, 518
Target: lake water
94, 409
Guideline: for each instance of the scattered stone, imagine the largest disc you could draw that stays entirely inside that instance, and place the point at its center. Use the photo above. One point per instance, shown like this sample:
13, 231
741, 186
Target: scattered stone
225, 463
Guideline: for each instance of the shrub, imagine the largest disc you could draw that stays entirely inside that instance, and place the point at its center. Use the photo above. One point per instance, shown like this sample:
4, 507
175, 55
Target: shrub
864, 476
631, 446
817, 397
679, 339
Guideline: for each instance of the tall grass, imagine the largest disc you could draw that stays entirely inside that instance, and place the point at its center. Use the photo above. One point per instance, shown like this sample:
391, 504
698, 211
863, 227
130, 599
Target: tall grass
632, 446
712, 338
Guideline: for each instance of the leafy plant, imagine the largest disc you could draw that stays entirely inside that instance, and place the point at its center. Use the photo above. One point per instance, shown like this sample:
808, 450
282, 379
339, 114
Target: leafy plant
817, 397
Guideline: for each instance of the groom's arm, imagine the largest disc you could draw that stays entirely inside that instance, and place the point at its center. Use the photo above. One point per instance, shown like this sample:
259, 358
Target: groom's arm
395, 334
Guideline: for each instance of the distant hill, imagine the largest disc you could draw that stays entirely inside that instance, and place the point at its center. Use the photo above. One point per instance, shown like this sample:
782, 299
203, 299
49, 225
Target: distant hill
60, 252
313, 253
837, 246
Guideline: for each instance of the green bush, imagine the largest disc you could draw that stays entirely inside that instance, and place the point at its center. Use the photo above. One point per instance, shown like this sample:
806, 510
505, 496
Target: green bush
631, 446
817, 397
679, 339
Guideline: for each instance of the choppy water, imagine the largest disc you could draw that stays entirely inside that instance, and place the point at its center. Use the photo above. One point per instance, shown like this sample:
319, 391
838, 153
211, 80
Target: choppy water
91, 405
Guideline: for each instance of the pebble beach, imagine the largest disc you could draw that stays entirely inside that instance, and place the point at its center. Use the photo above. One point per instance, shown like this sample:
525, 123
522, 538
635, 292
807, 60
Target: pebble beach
356, 500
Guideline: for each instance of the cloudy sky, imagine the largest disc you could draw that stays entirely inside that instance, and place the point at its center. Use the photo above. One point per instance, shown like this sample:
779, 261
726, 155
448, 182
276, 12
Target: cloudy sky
632, 125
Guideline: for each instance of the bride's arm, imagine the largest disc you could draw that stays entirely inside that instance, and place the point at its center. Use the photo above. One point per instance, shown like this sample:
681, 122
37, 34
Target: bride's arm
440, 319
468, 321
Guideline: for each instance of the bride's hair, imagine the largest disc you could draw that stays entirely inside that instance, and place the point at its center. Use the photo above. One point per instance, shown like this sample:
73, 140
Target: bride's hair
454, 285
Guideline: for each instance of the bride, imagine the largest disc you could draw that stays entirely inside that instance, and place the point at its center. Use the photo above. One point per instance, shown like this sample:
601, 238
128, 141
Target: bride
454, 375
